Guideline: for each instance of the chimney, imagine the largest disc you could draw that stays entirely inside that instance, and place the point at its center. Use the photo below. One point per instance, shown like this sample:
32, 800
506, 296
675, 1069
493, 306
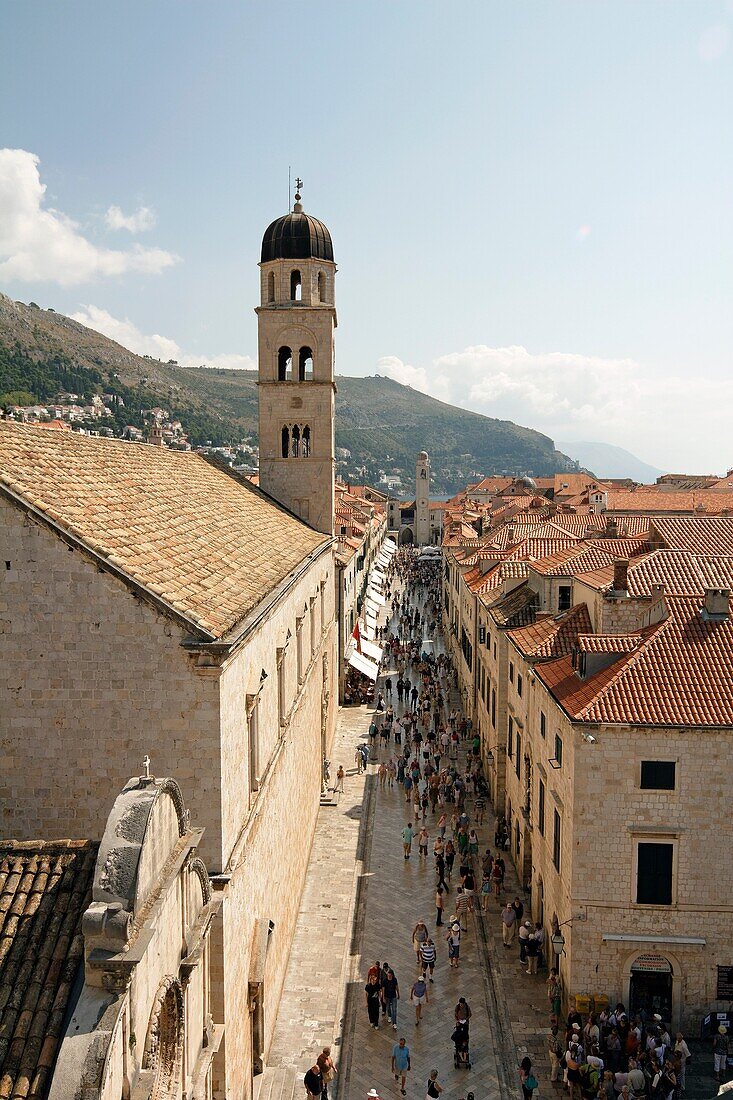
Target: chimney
510, 535
611, 527
621, 575
716, 603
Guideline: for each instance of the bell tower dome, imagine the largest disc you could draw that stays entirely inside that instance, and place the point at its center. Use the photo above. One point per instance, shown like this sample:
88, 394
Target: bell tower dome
296, 324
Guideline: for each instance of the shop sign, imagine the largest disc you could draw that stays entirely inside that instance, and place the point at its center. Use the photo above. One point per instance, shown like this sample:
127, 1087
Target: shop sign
655, 964
725, 984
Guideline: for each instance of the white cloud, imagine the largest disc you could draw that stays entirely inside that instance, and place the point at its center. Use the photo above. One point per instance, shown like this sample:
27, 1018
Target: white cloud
713, 42
138, 222
38, 243
571, 396
416, 377
125, 332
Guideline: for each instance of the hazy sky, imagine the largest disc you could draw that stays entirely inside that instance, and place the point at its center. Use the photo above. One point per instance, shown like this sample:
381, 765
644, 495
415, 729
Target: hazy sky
530, 202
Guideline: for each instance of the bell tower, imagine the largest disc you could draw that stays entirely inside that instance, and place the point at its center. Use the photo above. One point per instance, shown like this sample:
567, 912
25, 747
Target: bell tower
296, 324
422, 499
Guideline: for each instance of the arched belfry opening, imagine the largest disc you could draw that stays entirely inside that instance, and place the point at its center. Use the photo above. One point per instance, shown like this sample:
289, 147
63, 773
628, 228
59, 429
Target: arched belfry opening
296, 286
284, 364
305, 365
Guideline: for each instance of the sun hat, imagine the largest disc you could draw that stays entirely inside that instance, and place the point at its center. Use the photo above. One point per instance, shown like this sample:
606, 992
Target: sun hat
723, 1030
576, 1027
373, 1093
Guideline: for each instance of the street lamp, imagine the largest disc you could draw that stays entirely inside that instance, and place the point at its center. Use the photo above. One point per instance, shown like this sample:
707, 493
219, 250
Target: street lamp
557, 939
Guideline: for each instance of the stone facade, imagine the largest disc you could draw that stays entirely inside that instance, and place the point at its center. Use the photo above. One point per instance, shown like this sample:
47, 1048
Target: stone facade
422, 499
544, 768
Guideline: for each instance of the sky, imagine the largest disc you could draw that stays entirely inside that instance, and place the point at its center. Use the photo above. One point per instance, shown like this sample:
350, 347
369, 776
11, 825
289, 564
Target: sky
531, 203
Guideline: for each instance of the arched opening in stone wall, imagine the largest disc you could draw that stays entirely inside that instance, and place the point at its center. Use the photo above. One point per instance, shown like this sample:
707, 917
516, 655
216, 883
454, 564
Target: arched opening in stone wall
284, 364
406, 536
296, 287
164, 1042
285, 442
271, 287
295, 441
321, 287
306, 441
305, 365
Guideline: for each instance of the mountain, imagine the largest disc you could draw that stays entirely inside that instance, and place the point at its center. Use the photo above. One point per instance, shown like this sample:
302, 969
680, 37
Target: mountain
606, 460
380, 422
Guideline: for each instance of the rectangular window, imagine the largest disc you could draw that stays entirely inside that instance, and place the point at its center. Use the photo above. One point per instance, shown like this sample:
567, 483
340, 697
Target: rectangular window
654, 873
253, 736
299, 649
312, 624
541, 807
517, 837
558, 749
543, 724
281, 670
511, 673
510, 739
563, 599
493, 707
519, 684
518, 762
556, 839
657, 775
494, 650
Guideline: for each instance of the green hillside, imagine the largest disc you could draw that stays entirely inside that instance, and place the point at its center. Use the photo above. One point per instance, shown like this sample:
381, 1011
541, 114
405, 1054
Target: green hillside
380, 422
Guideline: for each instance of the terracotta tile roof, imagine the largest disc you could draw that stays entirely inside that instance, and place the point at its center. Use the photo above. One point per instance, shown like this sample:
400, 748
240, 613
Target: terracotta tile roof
536, 549
703, 534
609, 643
575, 484
202, 540
44, 891
680, 675
681, 572
552, 636
586, 556
655, 501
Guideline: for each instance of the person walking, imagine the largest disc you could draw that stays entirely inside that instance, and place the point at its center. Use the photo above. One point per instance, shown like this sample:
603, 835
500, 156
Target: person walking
527, 1079
313, 1082
524, 930
325, 1063
428, 955
554, 1052
340, 775
401, 1065
419, 935
439, 905
390, 996
454, 944
533, 950
508, 924
373, 992
419, 997
683, 1051
407, 839
423, 838
433, 1088
720, 1053
554, 992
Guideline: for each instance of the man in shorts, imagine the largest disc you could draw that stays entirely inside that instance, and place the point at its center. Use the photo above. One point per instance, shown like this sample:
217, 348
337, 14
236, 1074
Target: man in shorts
401, 1063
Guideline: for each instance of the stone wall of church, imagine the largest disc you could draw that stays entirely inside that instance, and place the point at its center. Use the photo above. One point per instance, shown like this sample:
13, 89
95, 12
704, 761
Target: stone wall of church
269, 861
93, 679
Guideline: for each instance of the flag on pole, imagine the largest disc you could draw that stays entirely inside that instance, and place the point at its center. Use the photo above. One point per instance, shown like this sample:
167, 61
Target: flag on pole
356, 635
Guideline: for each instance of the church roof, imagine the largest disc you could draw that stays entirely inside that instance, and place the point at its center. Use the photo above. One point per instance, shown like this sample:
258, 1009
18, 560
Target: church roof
202, 540
45, 888
296, 236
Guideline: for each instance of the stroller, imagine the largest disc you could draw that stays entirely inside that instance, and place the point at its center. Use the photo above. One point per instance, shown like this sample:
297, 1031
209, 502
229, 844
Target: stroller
461, 1053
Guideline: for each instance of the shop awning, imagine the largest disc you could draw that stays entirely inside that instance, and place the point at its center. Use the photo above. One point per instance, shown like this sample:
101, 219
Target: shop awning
375, 596
363, 664
371, 650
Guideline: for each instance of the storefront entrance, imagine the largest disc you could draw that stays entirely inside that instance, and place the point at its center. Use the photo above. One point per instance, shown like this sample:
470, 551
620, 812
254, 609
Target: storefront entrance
650, 988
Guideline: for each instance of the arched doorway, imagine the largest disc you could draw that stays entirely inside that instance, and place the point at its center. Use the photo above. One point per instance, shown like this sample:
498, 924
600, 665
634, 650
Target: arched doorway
164, 1043
650, 986
406, 537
